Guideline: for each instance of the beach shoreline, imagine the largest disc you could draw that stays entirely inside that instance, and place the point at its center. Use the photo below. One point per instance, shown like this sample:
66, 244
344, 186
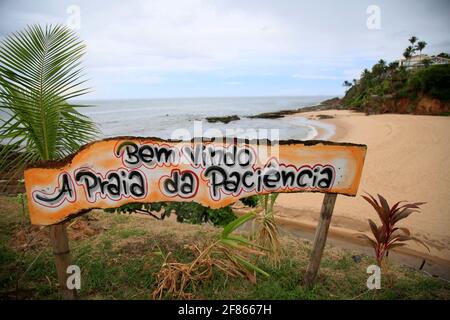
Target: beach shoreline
396, 145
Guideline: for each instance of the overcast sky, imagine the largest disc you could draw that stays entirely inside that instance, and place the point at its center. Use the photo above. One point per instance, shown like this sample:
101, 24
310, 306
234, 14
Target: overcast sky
140, 49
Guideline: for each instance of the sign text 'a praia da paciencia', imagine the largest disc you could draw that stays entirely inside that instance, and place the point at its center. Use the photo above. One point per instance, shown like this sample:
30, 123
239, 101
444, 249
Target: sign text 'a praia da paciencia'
116, 171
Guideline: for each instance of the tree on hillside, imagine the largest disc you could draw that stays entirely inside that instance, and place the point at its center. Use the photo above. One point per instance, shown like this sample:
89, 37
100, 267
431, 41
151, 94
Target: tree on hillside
408, 52
413, 40
392, 65
347, 83
379, 68
444, 55
420, 46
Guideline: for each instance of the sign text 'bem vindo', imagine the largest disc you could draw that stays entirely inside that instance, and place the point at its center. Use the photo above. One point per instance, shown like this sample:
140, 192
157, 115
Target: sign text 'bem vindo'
116, 171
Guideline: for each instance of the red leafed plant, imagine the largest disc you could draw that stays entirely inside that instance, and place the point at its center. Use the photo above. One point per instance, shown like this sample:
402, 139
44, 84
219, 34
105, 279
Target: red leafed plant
388, 235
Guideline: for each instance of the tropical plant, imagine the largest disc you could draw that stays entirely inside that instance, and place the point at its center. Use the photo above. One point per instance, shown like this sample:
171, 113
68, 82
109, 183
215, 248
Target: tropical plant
388, 235
267, 233
251, 201
347, 83
420, 46
228, 253
40, 71
408, 52
433, 81
189, 212
393, 65
413, 40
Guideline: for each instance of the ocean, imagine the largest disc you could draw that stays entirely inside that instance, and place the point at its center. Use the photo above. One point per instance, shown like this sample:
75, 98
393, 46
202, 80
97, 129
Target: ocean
184, 118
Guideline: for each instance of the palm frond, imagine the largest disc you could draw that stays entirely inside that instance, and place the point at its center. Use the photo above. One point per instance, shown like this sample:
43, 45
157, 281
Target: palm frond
40, 70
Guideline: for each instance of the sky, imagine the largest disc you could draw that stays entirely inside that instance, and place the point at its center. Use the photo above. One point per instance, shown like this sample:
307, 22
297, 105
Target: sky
198, 48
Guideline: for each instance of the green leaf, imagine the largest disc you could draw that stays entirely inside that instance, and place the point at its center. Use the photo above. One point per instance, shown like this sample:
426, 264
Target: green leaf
250, 265
229, 242
40, 70
233, 225
245, 241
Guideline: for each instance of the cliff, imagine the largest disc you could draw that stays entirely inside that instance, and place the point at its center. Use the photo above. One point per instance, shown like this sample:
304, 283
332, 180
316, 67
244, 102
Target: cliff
397, 90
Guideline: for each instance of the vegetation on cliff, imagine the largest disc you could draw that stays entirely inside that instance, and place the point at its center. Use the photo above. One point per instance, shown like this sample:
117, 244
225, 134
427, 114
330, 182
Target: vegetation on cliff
395, 88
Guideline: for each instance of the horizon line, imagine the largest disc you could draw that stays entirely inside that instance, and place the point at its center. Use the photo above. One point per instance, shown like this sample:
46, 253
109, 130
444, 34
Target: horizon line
210, 97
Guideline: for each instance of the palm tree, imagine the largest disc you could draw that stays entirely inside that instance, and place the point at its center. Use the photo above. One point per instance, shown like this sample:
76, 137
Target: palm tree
408, 52
40, 70
381, 66
413, 40
393, 65
420, 46
365, 73
347, 83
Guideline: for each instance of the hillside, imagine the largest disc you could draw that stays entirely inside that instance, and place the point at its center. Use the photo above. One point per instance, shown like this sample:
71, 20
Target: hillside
393, 89
415, 84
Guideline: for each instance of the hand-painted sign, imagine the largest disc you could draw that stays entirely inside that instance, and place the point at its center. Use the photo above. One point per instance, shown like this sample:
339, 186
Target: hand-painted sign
116, 171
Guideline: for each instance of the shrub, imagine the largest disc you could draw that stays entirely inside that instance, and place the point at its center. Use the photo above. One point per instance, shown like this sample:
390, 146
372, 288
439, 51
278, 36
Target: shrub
229, 253
433, 81
388, 235
190, 212
251, 201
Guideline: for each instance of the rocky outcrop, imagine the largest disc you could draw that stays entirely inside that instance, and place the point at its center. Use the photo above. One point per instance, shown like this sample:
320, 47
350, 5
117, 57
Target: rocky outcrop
225, 119
428, 105
333, 103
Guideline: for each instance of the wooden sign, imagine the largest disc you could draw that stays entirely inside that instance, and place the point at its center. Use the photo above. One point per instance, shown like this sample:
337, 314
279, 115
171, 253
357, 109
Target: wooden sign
116, 171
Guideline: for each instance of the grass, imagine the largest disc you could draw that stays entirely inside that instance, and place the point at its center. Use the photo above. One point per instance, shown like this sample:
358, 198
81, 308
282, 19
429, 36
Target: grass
118, 258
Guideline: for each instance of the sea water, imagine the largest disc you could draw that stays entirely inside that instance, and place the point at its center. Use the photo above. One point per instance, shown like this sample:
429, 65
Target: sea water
168, 118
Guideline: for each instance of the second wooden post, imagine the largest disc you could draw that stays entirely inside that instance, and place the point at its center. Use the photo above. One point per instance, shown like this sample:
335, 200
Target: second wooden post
320, 239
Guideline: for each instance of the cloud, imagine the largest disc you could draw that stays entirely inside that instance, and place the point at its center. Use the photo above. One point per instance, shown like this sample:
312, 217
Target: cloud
197, 44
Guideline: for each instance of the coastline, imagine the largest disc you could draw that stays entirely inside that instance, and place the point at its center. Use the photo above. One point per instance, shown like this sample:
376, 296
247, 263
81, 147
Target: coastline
395, 151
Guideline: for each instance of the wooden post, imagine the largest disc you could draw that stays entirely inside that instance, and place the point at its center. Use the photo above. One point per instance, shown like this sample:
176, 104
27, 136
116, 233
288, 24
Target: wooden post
320, 239
60, 243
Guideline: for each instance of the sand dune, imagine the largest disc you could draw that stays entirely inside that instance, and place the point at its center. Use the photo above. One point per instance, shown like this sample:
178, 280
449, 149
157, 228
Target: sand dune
408, 158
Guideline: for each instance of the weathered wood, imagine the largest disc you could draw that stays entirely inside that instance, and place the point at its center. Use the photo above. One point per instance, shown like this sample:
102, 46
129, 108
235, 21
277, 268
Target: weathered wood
320, 239
147, 170
61, 251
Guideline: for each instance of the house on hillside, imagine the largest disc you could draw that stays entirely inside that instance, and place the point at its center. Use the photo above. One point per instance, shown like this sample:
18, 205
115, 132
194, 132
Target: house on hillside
419, 61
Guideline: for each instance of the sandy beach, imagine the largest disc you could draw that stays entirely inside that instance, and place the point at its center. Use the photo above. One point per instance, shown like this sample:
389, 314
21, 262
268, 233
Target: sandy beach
407, 159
